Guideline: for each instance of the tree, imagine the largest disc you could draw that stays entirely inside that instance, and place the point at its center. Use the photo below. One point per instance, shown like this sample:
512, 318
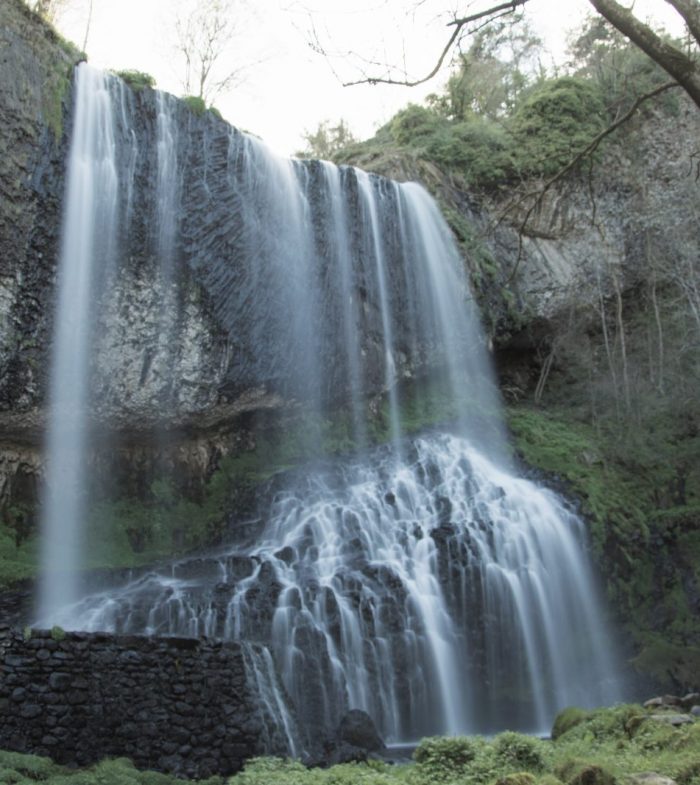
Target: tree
205, 35
327, 140
683, 68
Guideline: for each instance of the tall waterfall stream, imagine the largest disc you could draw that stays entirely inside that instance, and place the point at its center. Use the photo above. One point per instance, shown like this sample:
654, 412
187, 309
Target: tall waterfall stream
421, 580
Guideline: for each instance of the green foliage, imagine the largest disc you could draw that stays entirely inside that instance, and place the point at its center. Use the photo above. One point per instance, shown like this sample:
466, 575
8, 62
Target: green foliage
478, 148
619, 68
414, 125
195, 104
444, 758
557, 120
58, 633
571, 450
519, 750
327, 141
17, 551
566, 719
137, 80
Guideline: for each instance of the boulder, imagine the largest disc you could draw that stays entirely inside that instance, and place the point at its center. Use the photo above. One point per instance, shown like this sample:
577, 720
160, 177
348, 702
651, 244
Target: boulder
357, 729
649, 778
672, 719
690, 700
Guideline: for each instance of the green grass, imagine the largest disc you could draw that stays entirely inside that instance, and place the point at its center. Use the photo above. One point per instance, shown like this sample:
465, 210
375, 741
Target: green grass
605, 747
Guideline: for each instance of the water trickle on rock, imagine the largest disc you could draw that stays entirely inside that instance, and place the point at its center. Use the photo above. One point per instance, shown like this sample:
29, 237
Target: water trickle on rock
422, 580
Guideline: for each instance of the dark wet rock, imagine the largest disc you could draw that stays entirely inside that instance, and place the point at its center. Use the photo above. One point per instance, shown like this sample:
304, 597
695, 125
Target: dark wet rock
357, 729
154, 700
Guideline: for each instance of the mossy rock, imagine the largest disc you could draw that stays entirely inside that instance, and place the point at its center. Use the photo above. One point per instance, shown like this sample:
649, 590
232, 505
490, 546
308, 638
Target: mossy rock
568, 718
578, 772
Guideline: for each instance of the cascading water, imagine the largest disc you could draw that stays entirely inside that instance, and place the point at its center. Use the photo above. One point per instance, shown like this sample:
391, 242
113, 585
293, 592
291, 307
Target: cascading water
88, 248
421, 581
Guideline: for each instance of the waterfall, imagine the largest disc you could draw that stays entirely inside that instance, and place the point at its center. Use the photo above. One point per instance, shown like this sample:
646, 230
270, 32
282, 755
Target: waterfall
88, 246
419, 578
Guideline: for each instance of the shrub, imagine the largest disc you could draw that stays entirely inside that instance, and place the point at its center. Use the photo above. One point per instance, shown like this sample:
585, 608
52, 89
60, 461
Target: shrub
137, 80
412, 125
58, 633
444, 758
478, 147
566, 719
556, 121
519, 750
195, 104
30, 766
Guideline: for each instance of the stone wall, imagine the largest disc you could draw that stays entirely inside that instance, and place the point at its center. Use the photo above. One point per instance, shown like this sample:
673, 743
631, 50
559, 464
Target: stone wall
176, 705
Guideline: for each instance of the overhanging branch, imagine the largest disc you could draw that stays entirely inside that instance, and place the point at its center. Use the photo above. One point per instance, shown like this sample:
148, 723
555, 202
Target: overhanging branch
459, 25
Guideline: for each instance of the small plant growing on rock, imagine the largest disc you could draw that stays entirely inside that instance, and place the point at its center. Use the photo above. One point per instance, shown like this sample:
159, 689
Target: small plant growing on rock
58, 633
195, 104
137, 80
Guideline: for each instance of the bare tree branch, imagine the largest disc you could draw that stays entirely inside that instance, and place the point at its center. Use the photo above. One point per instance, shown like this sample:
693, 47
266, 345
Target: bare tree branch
459, 24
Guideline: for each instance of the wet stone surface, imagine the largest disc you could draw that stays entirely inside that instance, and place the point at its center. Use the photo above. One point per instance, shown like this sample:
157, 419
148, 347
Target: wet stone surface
175, 705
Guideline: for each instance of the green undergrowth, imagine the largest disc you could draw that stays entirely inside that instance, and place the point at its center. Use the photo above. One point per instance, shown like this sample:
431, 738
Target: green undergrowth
601, 747
571, 451
648, 548
17, 769
18, 545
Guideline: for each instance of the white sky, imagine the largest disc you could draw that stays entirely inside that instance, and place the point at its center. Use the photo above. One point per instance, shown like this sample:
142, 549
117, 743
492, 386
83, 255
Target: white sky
292, 88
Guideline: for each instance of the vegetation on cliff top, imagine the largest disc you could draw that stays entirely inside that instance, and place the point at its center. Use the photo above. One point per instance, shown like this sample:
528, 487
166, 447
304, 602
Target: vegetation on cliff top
502, 117
601, 747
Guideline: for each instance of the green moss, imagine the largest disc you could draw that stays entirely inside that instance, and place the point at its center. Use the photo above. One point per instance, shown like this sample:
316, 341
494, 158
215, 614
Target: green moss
669, 664
571, 451
566, 719
55, 91
137, 80
195, 104
58, 633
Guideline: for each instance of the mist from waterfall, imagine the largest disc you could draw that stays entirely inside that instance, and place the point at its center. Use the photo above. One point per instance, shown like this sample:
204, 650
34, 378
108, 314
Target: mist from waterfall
419, 579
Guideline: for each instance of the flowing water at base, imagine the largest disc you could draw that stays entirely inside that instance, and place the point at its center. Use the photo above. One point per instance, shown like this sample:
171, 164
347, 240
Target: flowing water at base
438, 592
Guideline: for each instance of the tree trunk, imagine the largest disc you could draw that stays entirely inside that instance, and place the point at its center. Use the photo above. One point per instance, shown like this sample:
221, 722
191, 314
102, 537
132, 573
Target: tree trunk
672, 60
690, 11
